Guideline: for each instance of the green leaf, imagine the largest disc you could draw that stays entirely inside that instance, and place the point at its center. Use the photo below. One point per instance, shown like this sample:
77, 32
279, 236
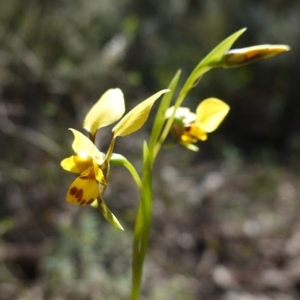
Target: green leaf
215, 57
108, 215
136, 118
142, 226
212, 60
160, 117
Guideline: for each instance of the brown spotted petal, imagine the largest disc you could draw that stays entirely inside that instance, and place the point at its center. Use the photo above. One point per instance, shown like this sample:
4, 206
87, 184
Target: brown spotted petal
82, 191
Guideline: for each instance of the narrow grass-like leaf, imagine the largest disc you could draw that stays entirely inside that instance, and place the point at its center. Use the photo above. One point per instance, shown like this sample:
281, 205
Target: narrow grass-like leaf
142, 226
161, 112
213, 59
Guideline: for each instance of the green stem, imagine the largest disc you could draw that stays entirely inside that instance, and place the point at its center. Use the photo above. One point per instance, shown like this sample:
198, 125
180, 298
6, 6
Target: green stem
134, 174
188, 85
137, 261
142, 226
167, 126
110, 149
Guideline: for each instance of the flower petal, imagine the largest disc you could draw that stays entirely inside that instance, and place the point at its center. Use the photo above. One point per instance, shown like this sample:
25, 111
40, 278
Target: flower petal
195, 131
188, 139
136, 118
84, 147
182, 113
88, 173
210, 114
191, 147
76, 163
99, 174
109, 108
244, 56
83, 191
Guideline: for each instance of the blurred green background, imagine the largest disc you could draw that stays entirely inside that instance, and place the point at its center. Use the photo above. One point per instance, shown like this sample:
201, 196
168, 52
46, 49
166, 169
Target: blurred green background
226, 220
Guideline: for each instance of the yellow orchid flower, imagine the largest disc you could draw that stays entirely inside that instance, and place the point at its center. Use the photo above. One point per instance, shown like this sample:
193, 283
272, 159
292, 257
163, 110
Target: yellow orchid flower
189, 127
87, 162
92, 165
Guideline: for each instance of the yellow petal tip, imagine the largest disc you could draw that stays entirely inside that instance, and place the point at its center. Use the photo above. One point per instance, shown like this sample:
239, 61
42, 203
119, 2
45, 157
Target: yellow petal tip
107, 110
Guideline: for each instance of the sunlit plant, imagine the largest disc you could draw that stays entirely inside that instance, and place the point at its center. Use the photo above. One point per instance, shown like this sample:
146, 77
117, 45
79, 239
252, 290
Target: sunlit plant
182, 125
91, 164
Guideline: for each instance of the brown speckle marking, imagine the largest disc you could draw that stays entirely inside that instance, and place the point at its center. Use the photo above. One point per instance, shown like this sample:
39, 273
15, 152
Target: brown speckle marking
82, 202
187, 128
73, 190
79, 194
90, 201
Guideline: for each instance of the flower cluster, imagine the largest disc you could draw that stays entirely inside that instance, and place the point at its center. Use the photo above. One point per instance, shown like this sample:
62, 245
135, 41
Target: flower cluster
187, 128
